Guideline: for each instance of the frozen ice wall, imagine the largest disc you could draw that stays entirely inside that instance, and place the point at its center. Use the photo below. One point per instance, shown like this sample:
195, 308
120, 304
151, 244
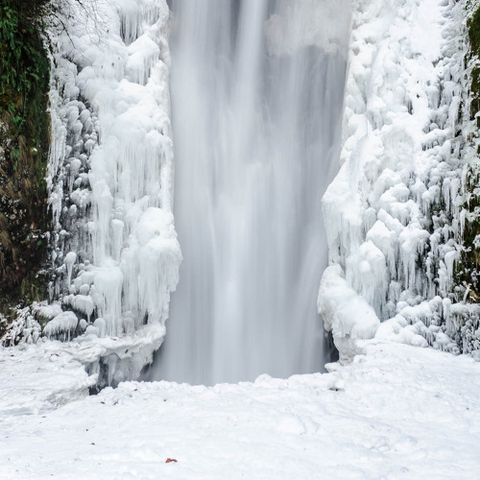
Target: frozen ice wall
116, 250
257, 95
394, 211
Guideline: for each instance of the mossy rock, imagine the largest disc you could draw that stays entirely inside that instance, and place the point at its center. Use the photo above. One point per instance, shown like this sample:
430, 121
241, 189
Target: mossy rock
24, 147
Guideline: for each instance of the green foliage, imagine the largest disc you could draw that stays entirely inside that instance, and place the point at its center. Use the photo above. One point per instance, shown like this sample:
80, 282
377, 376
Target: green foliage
468, 268
24, 144
473, 25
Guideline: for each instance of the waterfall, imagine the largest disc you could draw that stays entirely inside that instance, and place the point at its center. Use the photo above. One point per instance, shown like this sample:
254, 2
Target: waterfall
257, 98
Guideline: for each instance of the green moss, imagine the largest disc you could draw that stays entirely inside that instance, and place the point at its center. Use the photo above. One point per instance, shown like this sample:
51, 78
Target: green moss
473, 26
24, 140
468, 268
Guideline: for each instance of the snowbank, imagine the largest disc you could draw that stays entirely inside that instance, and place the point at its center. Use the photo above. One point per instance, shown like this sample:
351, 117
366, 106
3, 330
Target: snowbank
38, 378
397, 412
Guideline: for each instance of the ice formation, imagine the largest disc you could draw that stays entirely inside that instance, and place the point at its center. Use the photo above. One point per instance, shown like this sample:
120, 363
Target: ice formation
394, 211
110, 176
257, 85
341, 307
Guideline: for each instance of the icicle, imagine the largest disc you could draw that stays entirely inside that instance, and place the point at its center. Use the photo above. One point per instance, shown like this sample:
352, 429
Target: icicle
402, 167
110, 166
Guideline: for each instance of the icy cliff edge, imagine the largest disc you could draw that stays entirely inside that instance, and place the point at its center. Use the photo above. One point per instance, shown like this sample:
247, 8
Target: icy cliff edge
115, 249
394, 211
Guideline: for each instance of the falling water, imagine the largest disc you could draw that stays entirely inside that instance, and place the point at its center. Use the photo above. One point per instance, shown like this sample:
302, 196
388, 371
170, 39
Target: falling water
257, 93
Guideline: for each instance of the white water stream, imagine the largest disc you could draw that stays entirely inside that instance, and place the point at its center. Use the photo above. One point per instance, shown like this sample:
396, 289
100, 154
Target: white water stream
257, 94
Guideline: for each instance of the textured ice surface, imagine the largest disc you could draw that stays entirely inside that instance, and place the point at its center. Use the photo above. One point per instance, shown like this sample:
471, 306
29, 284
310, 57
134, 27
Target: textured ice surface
110, 175
64, 325
393, 213
346, 314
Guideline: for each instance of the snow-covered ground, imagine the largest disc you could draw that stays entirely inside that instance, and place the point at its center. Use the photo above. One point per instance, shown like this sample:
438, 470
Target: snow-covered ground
37, 378
396, 412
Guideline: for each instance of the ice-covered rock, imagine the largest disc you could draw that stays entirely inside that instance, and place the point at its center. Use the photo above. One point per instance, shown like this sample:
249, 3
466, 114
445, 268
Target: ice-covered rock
393, 213
63, 326
345, 313
110, 172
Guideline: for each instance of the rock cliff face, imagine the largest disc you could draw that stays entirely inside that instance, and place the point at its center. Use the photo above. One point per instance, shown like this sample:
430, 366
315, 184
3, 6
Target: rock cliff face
24, 144
468, 268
